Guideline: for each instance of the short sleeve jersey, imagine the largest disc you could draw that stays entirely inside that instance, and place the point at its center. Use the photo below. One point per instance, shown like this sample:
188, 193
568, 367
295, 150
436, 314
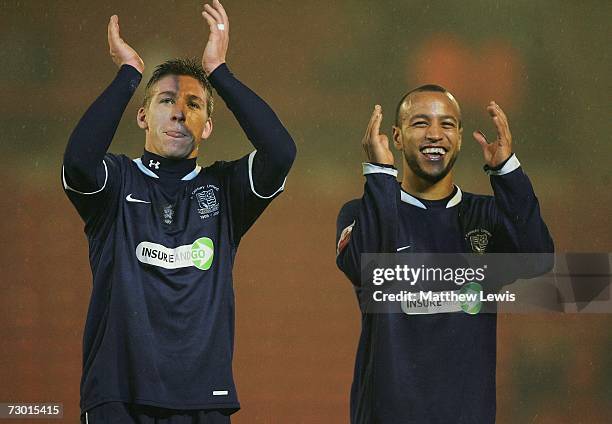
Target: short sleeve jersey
160, 324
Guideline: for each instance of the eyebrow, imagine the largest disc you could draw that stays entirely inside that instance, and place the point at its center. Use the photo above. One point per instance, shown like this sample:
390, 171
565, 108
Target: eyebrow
173, 94
425, 116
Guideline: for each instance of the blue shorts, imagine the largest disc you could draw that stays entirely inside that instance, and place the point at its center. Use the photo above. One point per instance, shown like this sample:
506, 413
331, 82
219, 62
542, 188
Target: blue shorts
126, 413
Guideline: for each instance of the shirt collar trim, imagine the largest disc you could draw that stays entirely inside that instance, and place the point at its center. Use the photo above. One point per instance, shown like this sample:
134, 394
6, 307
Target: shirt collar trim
408, 198
190, 176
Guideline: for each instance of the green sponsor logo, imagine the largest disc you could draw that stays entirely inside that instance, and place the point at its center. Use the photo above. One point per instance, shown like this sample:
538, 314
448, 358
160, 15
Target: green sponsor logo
202, 253
473, 304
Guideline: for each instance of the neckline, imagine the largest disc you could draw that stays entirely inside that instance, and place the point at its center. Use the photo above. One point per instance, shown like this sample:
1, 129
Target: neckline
167, 169
448, 202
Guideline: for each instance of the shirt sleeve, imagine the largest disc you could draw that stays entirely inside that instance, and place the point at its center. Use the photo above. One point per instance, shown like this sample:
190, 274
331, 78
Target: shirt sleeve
519, 224
370, 224
275, 150
256, 179
90, 177
246, 205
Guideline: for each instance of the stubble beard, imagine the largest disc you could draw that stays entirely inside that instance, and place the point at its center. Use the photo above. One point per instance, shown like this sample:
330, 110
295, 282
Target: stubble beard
433, 178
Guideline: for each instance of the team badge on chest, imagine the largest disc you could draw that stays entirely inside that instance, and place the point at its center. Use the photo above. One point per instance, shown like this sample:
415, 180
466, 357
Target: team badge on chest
168, 214
207, 198
479, 240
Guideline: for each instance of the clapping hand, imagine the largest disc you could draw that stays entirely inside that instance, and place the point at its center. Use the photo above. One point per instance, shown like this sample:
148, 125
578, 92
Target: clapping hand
376, 145
218, 39
496, 152
120, 51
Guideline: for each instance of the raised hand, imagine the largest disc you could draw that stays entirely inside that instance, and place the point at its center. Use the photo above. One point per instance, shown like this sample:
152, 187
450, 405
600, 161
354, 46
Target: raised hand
496, 152
218, 39
120, 51
376, 145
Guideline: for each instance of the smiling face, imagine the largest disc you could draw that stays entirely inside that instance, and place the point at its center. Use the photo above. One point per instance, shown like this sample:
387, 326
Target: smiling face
428, 133
175, 118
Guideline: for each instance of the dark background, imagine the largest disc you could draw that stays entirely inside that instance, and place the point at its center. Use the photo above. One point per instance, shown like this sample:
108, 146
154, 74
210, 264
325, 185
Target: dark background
322, 66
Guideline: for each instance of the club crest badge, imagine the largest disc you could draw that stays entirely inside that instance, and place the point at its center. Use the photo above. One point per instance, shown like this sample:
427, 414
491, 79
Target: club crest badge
207, 198
207, 201
478, 239
168, 214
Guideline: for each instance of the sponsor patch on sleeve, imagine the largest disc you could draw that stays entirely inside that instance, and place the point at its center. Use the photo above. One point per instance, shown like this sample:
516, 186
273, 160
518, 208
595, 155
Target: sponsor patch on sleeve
345, 237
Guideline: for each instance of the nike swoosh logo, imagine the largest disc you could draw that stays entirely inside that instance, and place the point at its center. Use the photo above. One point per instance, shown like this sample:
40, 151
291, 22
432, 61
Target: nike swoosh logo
129, 198
402, 248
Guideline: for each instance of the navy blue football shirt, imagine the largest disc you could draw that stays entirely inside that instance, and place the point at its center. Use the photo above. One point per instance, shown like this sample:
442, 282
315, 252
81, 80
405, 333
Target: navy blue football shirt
162, 237
439, 367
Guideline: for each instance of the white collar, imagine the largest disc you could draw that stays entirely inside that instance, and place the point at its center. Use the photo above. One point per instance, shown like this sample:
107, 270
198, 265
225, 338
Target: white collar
408, 198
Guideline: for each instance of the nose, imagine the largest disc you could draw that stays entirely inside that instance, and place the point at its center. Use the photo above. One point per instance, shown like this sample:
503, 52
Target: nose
178, 112
434, 133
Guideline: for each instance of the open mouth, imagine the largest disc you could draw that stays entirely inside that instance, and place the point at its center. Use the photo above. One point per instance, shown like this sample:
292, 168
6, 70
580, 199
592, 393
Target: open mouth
433, 153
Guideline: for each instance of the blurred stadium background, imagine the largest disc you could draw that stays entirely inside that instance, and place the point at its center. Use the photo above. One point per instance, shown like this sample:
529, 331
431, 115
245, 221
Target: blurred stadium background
322, 66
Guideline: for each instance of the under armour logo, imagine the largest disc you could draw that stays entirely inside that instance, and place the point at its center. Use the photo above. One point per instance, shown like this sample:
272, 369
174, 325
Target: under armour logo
153, 164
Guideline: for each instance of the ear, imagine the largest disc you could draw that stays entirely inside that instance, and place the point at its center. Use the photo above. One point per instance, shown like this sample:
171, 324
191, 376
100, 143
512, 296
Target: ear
459, 139
208, 127
397, 138
141, 119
